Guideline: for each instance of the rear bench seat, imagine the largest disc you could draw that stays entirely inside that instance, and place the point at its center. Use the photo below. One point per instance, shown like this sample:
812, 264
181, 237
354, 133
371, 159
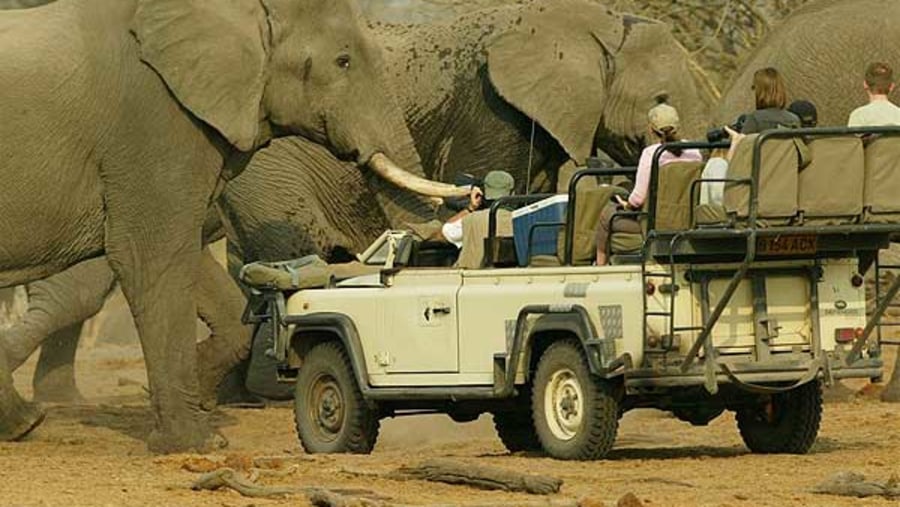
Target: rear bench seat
831, 187
881, 195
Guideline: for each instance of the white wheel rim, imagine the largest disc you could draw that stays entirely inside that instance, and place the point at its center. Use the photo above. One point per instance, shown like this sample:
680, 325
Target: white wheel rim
564, 404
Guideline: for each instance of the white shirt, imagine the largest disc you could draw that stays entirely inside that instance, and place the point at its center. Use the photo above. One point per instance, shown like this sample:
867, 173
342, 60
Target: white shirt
453, 232
878, 113
713, 192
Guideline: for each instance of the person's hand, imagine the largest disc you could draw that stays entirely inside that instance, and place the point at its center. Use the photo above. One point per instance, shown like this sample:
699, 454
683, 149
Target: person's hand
622, 202
734, 135
476, 197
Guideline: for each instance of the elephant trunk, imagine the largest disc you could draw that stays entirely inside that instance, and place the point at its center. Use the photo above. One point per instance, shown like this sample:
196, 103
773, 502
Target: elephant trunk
391, 172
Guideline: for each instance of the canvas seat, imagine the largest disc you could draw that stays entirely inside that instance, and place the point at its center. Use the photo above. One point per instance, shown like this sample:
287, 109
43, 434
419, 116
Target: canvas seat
831, 186
778, 184
673, 205
309, 272
589, 204
881, 193
473, 254
778, 180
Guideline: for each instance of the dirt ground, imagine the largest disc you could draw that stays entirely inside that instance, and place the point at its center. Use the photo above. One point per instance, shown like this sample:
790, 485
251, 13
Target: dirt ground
95, 455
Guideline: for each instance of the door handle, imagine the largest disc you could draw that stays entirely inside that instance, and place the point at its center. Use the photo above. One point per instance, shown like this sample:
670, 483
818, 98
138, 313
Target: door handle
441, 310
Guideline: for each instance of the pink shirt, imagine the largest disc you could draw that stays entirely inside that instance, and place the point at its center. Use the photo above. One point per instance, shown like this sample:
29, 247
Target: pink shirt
645, 166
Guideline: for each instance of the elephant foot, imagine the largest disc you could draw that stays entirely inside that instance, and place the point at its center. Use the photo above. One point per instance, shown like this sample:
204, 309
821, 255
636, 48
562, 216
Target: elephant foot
57, 386
233, 393
161, 442
61, 395
18, 423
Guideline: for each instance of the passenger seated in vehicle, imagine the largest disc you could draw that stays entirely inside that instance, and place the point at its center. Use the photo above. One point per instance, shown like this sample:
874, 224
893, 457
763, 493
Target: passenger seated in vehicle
806, 111
771, 100
880, 111
663, 127
497, 184
716, 168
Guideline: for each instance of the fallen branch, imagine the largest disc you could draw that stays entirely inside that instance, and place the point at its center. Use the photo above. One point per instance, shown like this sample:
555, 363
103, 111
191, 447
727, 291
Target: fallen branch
228, 478
855, 485
326, 498
477, 476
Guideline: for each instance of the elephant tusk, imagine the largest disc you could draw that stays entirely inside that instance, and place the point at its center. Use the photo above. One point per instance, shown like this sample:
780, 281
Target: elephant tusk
389, 171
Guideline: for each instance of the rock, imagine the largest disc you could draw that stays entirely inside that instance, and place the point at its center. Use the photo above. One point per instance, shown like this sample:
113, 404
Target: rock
629, 500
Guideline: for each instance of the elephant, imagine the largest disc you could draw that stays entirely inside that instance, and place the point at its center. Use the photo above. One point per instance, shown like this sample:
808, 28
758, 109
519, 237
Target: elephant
592, 75
123, 121
285, 203
822, 51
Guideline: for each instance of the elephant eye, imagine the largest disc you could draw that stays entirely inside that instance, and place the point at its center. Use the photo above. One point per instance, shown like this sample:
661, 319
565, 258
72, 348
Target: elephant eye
343, 61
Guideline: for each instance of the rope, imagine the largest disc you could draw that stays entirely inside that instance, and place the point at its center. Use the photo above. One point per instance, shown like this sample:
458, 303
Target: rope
530, 159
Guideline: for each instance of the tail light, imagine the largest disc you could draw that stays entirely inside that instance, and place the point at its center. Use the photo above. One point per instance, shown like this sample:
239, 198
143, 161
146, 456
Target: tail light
650, 288
847, 334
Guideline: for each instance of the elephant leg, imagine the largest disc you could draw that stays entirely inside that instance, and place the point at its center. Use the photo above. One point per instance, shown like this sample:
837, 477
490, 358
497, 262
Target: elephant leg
57, 307
54, 377
156, 200
17, 417
220, 304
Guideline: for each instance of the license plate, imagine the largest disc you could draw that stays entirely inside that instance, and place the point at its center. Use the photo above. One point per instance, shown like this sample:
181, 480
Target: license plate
791, 244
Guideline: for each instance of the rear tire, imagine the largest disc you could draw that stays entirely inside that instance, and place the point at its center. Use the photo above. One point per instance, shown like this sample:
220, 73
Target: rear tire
787, 424
516, 427
329, 410
576, 415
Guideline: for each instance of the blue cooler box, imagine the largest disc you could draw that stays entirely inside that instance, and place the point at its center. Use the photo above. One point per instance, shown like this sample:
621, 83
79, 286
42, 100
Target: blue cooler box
543, 241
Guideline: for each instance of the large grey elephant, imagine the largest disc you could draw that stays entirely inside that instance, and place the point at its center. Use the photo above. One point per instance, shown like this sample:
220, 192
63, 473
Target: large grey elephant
538, 84
592, 92
122, 119
822, 51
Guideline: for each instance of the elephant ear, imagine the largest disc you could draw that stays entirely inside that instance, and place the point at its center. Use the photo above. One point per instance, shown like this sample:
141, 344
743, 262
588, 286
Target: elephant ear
555, 67
212, 55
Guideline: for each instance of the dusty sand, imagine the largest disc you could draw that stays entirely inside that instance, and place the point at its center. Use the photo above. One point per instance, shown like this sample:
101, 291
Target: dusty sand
94, 454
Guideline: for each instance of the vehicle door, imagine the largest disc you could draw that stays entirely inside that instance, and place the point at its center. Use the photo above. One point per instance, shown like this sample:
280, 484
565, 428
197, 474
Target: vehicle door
419, 322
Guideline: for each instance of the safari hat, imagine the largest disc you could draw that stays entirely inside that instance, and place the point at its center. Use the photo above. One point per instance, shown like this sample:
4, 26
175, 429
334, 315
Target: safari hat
662, 117
498, 184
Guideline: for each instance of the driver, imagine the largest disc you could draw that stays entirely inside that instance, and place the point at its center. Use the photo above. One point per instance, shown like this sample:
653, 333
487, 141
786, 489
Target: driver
497, 184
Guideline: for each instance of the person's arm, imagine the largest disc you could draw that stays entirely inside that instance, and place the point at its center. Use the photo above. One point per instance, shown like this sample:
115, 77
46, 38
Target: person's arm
476, 197
642, 178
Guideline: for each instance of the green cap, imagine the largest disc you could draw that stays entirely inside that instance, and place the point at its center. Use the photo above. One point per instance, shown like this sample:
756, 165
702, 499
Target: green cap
498, 184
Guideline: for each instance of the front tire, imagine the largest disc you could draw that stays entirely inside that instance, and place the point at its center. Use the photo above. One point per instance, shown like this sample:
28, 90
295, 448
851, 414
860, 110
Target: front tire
787, 424
576, 415
329, 410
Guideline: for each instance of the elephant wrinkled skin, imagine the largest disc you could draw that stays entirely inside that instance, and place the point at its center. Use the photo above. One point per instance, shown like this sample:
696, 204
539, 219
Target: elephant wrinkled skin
120, 126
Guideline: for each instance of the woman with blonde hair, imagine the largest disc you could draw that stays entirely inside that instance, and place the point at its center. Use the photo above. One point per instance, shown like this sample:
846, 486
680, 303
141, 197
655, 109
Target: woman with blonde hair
771, 103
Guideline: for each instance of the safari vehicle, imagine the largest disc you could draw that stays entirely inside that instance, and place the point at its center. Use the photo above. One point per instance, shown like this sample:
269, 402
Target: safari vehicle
749, 306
